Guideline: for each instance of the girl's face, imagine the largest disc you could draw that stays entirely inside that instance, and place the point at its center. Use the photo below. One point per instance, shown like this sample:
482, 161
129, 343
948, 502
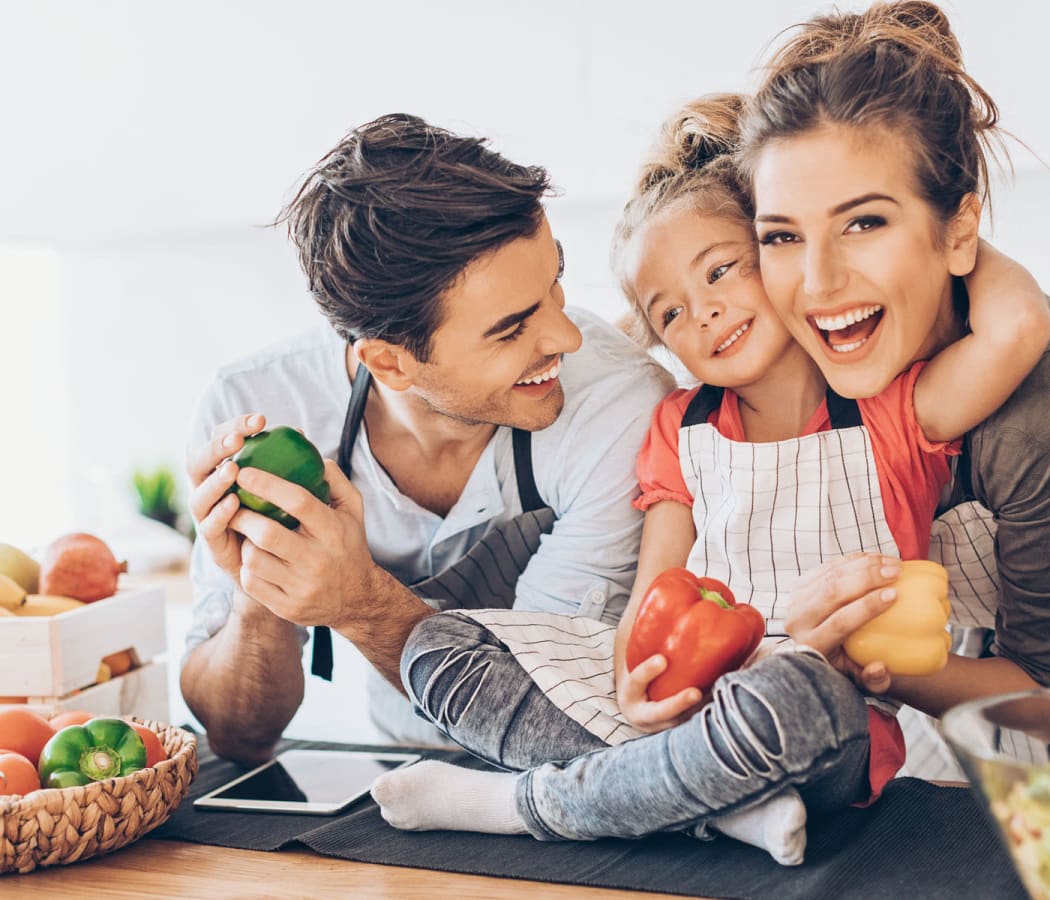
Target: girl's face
853, 259
695, 277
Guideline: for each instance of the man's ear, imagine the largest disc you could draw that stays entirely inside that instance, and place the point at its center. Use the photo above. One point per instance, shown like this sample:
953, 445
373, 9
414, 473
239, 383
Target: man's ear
964, 236
390, 364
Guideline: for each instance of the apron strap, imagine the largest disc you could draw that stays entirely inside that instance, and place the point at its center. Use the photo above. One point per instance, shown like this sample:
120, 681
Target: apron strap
321, 660
527, 492
843, 412
704, 402
355, 412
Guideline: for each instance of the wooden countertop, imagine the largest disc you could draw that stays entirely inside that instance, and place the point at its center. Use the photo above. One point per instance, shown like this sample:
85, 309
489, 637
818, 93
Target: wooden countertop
151, 869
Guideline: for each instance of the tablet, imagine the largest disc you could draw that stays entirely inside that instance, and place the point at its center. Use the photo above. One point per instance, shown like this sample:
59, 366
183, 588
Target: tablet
311, 782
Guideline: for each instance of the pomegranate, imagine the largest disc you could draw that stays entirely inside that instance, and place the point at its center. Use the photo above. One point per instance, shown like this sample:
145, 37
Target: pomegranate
80, 566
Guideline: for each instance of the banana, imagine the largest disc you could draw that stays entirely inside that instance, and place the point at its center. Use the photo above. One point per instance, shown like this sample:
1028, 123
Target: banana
47, 605
12, 594
20, 567
6, 613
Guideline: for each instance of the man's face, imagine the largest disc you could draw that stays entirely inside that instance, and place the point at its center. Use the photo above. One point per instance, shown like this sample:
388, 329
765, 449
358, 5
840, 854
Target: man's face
495, 358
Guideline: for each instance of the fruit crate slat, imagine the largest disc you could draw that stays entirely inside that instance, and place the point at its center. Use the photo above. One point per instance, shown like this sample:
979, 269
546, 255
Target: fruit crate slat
142, 692
51, 656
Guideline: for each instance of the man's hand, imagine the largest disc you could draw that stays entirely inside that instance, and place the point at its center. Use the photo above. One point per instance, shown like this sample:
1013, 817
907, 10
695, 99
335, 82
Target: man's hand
645, 714
212, 474
834, 600
320, 574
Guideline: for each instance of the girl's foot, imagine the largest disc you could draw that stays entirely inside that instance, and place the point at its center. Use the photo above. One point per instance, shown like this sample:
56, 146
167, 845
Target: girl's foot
777, 825
432, 795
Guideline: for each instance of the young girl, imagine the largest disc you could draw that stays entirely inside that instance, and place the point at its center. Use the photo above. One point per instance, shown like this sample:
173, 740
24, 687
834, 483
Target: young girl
754, 484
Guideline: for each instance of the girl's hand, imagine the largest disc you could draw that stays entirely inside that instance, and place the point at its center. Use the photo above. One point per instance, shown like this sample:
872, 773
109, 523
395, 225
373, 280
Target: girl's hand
646, 715
834, 600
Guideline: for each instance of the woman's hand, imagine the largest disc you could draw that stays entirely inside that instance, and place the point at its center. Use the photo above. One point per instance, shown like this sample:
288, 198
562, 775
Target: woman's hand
645, 714
832, 601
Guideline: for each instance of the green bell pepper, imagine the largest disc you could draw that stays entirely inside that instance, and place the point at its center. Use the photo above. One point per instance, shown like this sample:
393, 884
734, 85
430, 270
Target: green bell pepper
97, 750
286, 453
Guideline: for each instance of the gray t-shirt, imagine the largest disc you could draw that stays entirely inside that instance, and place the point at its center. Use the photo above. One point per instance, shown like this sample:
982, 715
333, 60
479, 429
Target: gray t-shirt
584, 467
1010, 470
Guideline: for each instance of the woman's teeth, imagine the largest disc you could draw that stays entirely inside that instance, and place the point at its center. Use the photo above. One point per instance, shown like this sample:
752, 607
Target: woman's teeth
733, 338
837, 323
846, 348
552, 372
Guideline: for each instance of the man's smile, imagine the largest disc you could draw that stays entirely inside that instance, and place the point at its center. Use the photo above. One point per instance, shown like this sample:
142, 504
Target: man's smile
542, 377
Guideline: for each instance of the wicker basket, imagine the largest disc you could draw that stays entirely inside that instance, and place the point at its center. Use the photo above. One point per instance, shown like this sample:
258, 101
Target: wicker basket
55, 827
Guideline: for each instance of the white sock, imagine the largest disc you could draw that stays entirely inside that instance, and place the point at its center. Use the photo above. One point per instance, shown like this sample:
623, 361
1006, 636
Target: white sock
777, 825
432, 795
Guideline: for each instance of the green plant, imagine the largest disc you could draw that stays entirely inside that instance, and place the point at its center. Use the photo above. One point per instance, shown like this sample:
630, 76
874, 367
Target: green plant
157, 491
156, 494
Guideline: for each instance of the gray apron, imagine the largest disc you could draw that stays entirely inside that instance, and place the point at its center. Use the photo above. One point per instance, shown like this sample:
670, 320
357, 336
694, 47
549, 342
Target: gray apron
485, 577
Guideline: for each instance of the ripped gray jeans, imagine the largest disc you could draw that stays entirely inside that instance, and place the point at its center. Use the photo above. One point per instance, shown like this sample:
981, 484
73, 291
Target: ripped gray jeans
789, 720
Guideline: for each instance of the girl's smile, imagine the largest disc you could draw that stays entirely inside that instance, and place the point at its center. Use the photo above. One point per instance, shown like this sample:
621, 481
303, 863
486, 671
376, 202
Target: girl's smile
737, 337
695, 276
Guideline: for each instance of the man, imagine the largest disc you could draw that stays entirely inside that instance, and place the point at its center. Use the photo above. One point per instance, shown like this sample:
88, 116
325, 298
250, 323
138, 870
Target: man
489, 435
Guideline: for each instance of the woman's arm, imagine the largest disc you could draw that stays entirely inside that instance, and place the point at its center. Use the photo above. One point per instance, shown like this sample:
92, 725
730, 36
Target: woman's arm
1009, 331
668, 535
962, 679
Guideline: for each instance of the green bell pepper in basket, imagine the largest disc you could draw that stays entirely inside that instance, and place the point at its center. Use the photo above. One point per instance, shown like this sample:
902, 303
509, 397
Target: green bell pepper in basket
97, 750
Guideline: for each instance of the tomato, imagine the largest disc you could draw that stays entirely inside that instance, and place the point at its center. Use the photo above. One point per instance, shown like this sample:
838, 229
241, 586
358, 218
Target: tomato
24, 731
154, 750
17, 774
73, 717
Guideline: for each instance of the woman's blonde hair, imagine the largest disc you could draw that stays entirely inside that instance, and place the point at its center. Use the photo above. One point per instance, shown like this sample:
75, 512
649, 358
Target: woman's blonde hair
691, 162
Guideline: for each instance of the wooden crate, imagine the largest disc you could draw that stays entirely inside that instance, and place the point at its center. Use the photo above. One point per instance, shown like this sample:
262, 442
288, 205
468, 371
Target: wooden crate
53, 661
142, 692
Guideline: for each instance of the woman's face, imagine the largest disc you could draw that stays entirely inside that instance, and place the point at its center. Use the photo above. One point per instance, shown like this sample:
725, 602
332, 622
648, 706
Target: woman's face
695, 277
854, 260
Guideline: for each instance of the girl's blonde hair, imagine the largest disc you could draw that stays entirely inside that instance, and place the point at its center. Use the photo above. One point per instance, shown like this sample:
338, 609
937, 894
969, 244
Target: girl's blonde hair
692, 162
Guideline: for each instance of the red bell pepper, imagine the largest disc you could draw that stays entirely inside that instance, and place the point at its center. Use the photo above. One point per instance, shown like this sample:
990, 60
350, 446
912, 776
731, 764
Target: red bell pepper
698, 626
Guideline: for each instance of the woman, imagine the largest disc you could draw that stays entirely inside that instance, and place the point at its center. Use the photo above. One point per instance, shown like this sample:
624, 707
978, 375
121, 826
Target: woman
828, 130
867, 215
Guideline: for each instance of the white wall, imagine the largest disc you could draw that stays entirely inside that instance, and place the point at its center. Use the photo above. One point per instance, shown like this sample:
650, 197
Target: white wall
145, 145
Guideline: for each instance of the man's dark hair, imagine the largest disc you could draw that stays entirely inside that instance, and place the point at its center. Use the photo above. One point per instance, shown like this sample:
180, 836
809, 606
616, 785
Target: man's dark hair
388, 220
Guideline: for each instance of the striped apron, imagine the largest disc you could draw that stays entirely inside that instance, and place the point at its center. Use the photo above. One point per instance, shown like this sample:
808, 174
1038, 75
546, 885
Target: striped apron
484, 577
764, 514
963, 541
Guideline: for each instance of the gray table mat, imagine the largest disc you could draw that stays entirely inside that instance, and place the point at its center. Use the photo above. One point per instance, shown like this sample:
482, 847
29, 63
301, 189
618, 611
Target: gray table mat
918, 841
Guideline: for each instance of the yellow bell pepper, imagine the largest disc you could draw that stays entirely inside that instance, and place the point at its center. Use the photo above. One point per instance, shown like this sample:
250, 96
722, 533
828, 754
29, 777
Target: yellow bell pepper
911, 636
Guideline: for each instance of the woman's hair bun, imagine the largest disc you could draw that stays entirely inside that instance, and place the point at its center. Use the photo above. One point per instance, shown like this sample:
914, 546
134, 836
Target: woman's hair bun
916, 26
